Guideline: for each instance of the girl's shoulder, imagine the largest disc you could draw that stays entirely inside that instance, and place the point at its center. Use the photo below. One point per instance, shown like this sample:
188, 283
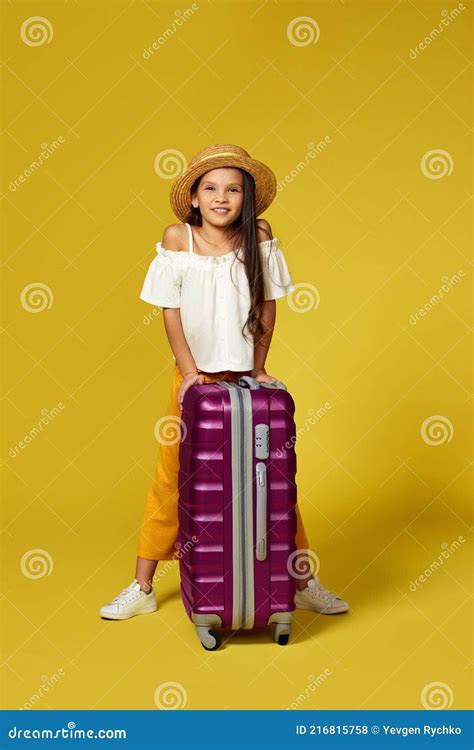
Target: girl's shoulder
264, 231
269, 245
173, 247
176, 238
267, 242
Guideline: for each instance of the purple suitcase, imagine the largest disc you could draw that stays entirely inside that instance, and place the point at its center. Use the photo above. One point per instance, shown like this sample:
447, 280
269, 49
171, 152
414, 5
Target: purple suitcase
237, 517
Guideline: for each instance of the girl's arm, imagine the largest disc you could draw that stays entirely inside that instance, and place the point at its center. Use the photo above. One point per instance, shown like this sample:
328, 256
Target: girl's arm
262, 344
177, 340
175, 238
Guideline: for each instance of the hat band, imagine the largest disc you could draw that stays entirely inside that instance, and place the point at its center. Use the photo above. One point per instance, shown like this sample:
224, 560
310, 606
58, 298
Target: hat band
222, 153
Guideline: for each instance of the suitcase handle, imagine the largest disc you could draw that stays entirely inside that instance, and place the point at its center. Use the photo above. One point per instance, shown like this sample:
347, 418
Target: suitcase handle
261, 515
246, 381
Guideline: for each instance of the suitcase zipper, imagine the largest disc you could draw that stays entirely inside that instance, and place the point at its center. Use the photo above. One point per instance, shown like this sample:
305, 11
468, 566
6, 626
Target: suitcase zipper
246, 463
241, 493
243, 609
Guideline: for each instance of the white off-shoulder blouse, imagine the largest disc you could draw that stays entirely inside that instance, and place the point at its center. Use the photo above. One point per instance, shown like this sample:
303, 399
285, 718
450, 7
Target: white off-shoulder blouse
213, 295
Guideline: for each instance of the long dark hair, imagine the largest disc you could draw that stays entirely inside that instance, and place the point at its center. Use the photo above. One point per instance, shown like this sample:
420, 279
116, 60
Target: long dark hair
244, 232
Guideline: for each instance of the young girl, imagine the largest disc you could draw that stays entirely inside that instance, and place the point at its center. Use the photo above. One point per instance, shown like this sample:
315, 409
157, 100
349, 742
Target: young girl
216, 276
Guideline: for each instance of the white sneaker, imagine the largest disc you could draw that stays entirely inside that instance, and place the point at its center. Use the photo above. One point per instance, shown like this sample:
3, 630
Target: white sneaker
131, 601
320, 599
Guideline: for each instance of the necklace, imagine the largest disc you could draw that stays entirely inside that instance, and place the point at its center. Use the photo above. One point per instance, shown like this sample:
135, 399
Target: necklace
214, 244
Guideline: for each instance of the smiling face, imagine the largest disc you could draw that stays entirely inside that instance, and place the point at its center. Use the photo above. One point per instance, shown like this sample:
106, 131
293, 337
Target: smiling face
220, 196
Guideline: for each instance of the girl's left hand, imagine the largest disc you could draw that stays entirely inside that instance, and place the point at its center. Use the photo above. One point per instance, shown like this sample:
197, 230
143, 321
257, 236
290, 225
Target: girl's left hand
262, 376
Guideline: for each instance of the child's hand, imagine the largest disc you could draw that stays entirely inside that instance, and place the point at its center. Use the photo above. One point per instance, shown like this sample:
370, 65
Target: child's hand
188, 381
262, 376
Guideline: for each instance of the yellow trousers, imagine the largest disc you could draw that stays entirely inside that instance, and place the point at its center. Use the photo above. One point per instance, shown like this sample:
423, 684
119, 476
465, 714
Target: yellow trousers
159, 525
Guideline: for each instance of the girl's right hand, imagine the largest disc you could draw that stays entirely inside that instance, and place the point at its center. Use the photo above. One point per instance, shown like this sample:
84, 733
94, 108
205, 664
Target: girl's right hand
188, 381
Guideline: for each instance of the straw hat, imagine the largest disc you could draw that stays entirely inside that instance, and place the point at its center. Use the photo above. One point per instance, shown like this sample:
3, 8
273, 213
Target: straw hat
222, 155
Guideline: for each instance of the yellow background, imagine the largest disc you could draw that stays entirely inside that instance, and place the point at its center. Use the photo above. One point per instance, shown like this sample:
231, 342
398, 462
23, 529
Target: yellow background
361, 224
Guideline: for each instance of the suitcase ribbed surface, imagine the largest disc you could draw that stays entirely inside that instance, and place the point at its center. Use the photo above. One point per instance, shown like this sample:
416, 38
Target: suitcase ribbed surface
210, 572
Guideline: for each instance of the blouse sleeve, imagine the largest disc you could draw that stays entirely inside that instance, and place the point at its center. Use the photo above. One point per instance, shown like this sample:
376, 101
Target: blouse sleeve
276, 276
162, 285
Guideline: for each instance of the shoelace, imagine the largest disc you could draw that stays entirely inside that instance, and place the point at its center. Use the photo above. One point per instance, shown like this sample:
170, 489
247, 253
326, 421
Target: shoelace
126, 595
323, 592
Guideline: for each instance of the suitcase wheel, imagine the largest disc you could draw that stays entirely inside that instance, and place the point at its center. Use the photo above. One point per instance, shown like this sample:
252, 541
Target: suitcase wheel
282, 633
210, 639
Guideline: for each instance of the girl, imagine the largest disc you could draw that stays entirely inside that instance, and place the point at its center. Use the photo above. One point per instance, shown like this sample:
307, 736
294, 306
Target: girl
216, 276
